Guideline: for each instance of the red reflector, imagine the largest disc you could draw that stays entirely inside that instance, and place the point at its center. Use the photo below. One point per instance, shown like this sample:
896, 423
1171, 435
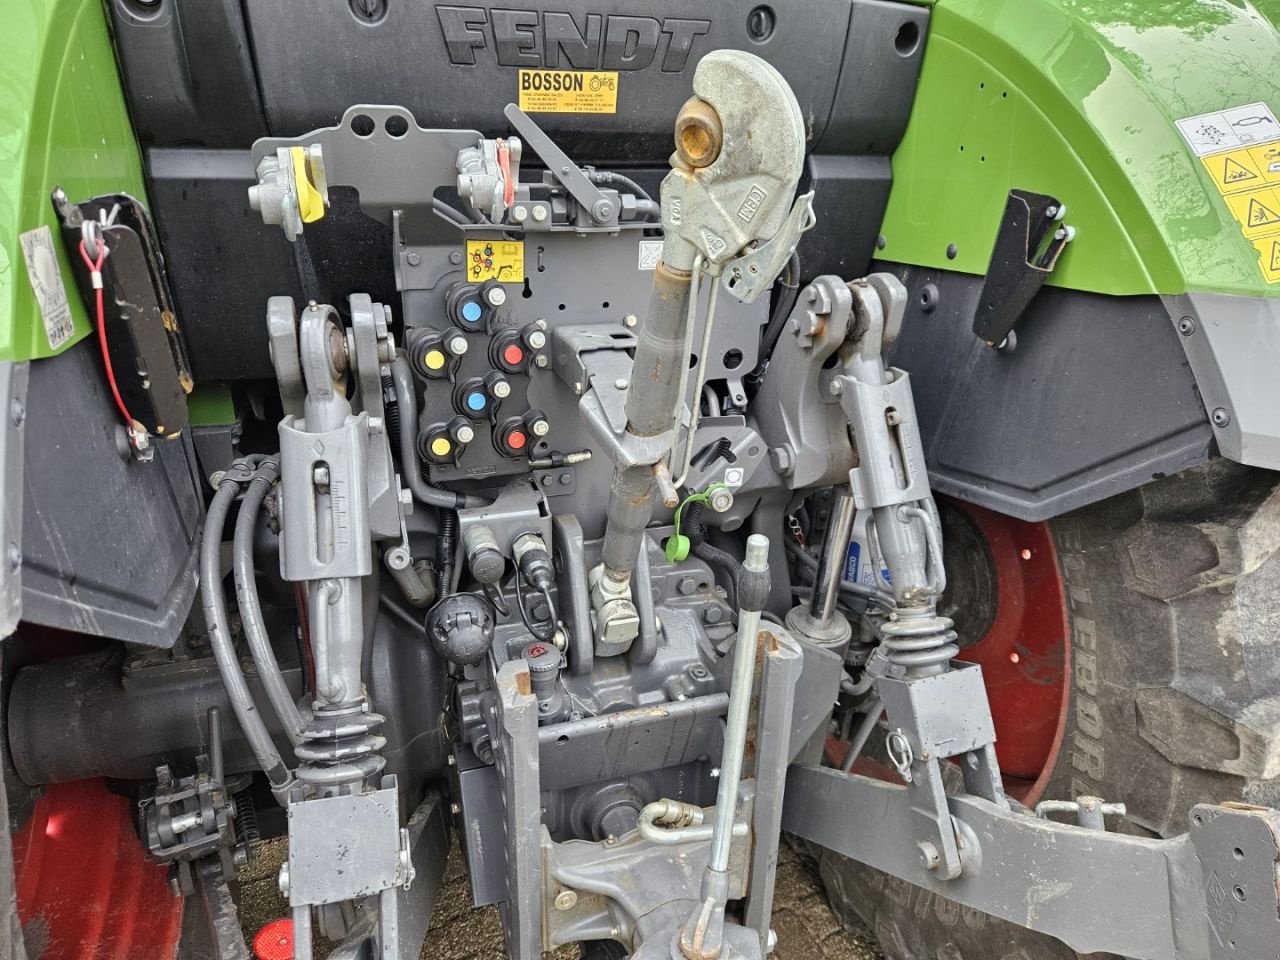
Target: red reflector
516, 440
512, 355
275, 941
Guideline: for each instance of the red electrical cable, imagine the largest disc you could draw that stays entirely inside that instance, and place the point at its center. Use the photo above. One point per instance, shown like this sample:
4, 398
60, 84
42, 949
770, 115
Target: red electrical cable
95, 274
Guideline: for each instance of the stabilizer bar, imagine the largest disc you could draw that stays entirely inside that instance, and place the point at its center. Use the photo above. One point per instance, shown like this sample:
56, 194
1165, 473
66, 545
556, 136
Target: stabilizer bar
1205, 895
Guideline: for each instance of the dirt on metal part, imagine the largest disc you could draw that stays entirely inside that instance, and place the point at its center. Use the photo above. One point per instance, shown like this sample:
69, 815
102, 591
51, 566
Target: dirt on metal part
806, 927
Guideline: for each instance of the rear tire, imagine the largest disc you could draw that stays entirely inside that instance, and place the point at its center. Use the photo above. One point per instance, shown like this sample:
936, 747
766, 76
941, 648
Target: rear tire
1172, 596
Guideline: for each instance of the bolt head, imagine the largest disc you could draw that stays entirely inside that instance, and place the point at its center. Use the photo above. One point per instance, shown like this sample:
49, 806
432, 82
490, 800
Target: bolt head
541, 362
836, 388
455, 809
566, 900
539, 428
501, 389
539, 214
456, 345
621, 384
720, 500
17, 412
466, 434
520, 214
1221, 417
630, 320
413, 259
929, 856
537, 339
496, 296
1186, 326
455, 258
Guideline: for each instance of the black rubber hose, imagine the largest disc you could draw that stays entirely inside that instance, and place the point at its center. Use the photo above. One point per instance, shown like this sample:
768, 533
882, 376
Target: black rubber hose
250, 606
215, 613
446, 544
717, 559
782, 310
610, 178
410, 471
865, 594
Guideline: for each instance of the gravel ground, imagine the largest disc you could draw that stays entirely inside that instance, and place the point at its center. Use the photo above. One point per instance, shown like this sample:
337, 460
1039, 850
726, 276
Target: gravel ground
806, 927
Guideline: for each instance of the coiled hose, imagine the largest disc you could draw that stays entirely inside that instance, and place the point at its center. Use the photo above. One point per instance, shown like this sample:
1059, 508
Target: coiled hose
446, 543
213, 602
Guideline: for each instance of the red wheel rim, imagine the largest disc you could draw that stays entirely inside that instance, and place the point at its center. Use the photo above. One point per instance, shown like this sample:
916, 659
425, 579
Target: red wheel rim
1025, 653
85, 888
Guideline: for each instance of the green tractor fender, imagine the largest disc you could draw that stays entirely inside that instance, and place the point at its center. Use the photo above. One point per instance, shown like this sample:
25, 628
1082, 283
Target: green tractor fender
1155, 124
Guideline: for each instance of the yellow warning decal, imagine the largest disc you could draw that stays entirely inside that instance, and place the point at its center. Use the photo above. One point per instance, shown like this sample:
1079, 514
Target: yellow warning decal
1266, 159
1233, 171
1257, 211
501, 260
1240, 150
568, 91
1269, 256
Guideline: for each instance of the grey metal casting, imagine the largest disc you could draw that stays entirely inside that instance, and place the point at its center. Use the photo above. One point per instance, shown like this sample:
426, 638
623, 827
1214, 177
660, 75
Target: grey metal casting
13, 394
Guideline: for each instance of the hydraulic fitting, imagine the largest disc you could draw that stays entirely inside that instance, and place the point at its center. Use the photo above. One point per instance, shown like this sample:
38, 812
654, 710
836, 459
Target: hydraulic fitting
484, 556
617, 620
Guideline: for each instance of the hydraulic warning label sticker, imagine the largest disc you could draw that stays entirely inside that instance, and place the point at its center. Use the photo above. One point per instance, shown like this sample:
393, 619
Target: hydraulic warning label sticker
569, 91
501, 260
1240, 150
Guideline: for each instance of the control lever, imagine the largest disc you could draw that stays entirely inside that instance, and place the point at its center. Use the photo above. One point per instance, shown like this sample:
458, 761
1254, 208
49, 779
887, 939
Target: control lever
586, 193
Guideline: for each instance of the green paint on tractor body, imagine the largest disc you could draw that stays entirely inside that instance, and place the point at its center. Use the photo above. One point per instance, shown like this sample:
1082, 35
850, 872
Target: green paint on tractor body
1079, 99
63, 122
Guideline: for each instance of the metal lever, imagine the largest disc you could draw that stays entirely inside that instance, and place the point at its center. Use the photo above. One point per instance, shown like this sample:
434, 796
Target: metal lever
587, 194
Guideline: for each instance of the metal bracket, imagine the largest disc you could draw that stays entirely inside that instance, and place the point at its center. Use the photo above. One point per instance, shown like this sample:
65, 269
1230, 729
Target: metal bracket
1180, 895
1028, 244
346, 847
748, 276
372, 348
1238, 847
931, 719
391, 172
599, 207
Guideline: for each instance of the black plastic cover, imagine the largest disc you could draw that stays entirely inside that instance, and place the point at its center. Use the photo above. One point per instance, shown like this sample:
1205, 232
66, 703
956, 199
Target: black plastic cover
205, 78
108, 542
1097, 397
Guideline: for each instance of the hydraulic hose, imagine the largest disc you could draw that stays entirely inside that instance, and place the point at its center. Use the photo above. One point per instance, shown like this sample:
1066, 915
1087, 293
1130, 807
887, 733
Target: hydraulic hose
714, 557
407, 402
782, 310
215, 613
250, 606
611, 178
865, 594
